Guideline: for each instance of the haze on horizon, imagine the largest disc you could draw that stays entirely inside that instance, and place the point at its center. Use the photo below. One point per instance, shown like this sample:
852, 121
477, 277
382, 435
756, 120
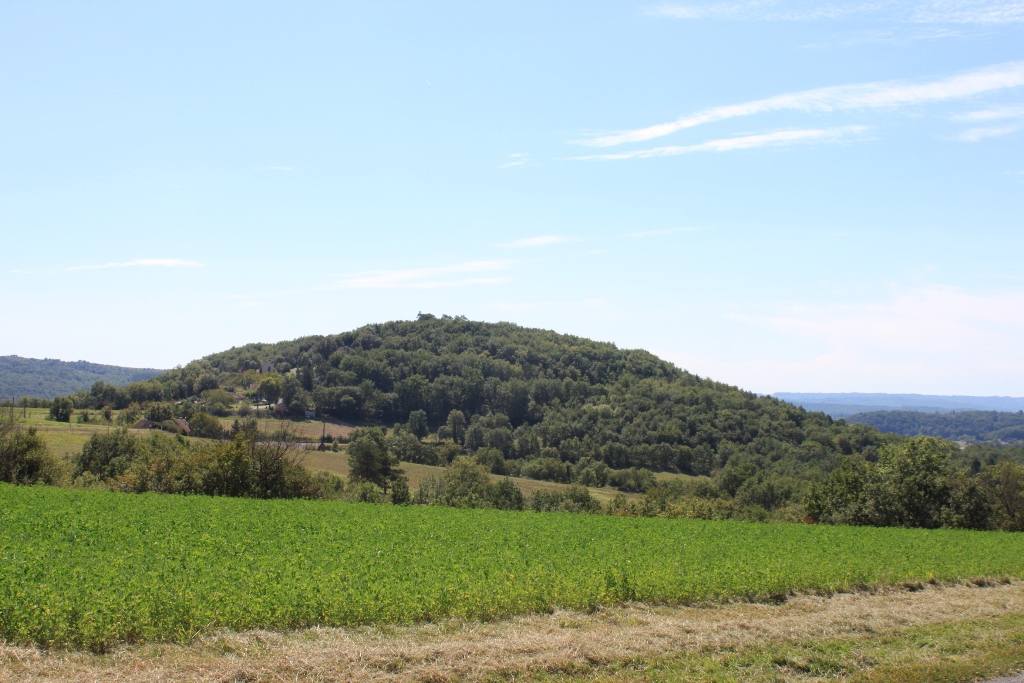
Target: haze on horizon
784, 195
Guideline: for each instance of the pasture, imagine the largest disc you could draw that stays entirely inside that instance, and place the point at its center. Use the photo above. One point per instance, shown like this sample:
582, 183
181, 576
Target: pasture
92, 568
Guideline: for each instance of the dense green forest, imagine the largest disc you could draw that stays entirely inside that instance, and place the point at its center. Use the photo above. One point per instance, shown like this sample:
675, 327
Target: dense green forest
522, 394
48, 378
969, 425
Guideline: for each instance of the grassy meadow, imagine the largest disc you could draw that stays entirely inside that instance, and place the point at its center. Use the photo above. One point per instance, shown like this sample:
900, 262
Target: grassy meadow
65, 439
92, 568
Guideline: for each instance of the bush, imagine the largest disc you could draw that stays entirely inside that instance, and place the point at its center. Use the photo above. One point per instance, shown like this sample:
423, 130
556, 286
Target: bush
24, 458
108, 455
62, 409
911, 485
546, 469
405, 447
245, 466
632, 480
575, 498
205, 426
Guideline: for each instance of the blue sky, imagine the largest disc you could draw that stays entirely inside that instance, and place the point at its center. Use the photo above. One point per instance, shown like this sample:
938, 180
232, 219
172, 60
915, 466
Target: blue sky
787, 196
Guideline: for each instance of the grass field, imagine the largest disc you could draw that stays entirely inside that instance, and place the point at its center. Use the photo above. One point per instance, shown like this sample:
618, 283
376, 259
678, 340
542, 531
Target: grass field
337, 463
90, 568
66, 439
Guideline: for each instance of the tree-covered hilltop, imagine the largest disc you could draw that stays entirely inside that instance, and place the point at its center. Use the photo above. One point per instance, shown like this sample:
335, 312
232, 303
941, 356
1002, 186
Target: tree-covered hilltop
968, 425
524, 394
48, 378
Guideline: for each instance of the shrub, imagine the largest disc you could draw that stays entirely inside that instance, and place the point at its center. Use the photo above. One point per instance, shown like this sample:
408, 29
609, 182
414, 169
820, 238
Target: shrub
632, 480
24, 458
576, 498
62, 409
205, 426
546, 469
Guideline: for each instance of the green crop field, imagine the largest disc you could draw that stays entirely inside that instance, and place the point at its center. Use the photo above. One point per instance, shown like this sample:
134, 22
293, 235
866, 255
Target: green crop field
91, 568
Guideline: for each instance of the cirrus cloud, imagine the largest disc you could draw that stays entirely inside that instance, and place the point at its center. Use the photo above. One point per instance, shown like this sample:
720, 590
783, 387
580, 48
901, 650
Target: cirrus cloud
860, 96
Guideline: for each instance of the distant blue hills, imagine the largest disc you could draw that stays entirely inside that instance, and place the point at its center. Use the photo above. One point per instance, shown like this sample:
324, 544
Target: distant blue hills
847, 404
48, 378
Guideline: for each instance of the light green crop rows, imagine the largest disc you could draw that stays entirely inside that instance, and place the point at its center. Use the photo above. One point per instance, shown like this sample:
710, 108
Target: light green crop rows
87, 569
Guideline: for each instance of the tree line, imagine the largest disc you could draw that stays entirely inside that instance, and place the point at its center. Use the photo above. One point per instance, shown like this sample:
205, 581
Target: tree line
967, 425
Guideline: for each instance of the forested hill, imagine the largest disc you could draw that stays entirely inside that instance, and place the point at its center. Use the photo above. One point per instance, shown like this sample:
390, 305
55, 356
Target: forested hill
48, 378
528, 393
969, 425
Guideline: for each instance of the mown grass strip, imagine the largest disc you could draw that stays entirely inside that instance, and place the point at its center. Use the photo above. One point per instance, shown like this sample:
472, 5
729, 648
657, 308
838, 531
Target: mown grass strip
971, 650
90, 568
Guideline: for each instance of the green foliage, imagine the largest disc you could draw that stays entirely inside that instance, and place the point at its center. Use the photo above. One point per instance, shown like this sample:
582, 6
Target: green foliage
911, 485
270, 388
405, 447
369, 458
456, 425
532, 394
109, 455
49, 378
62, 409
400, 494
632, 480
159, 412
576, 498
549, 469
968, 425
24, 458
91, 568
249, 465
218, 402
418, 425
205, 426
466, 483
1005, 485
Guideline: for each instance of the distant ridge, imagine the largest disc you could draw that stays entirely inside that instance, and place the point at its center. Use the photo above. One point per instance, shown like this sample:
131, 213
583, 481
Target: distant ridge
847, 404
49, 377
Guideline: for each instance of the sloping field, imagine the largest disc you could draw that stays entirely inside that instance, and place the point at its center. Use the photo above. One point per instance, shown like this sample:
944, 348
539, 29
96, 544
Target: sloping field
90, 568
337, 463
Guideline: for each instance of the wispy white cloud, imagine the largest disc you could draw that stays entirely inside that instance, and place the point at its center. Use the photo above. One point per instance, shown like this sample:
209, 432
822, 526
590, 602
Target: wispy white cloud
921, 11
879, 95
986, 132
542, 241
1010, 118
425, 278
1011, 111
969, 11
887, 36
515, 160
776, 139
142, 262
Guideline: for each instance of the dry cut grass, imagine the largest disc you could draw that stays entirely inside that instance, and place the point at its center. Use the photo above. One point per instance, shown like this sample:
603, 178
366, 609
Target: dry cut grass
883, 635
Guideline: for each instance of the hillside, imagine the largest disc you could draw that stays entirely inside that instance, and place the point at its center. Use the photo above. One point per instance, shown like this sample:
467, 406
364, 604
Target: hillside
526, 394
48, 378
972, 425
